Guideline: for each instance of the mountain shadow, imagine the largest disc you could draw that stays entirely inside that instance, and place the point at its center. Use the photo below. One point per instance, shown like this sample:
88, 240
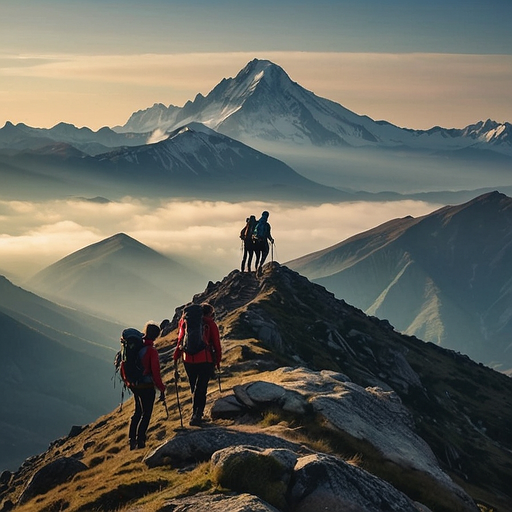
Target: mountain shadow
318, 404
444, 277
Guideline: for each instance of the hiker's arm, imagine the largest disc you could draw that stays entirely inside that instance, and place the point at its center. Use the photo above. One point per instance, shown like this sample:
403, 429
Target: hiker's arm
155, 370
269, 235
177, 349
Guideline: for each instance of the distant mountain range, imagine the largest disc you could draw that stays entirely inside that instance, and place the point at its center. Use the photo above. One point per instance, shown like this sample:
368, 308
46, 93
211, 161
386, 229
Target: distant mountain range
263, 103
119, 278
445, 277
55, 371
172, 149
192, 161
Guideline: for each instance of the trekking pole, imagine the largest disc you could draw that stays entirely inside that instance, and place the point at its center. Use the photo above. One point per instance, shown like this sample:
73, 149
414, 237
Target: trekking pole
272, 251
176, 378
212, 350
122, 399
218, 378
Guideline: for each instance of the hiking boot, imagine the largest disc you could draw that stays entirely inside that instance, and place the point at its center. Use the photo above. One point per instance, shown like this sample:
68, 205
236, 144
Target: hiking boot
195, 421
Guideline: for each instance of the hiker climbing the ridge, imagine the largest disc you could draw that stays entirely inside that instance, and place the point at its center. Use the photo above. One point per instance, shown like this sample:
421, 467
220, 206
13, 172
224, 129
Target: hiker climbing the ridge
248, 243
140, 371
261, 237
199, 346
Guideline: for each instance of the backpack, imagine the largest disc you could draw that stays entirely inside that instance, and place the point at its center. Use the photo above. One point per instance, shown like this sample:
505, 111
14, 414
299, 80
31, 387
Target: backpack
260, 230
248, 230
132, 350
193, 341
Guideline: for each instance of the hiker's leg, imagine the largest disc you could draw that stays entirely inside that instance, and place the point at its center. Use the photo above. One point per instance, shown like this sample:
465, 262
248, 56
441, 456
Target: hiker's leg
204, 373
244, 258
264, 253
147, 400
257, 252
250, 250
191, 370
134, 422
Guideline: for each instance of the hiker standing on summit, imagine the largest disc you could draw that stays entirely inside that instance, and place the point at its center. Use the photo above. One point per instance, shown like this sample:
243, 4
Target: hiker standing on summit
262, 236
199, 346
248, 242
141, 379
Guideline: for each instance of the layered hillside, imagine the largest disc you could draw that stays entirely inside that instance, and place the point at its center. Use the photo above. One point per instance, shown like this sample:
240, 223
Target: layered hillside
318, 405
445, 277
55, 366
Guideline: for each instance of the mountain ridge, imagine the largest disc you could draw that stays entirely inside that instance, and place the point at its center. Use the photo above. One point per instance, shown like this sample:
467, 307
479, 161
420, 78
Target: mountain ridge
442, 276
282, 336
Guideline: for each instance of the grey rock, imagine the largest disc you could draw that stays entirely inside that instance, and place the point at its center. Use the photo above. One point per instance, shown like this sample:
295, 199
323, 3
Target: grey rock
49, 476
199, 445
371, 414
323, 482
255, 393
285, 458
263, 472
218, 503
226, 407
5, 477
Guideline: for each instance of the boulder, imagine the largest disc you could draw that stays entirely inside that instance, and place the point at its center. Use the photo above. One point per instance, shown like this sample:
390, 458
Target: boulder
263, 472
218, 503
372, 415
323, 482
194, 446
51, 475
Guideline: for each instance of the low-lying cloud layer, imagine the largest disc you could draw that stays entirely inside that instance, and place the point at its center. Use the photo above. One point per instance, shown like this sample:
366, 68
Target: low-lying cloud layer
36, 234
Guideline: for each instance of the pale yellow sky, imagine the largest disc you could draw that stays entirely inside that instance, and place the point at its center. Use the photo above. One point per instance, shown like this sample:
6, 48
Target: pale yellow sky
413, 90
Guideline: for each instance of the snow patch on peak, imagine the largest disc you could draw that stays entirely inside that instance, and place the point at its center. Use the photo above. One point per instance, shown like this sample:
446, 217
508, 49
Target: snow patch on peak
157, 135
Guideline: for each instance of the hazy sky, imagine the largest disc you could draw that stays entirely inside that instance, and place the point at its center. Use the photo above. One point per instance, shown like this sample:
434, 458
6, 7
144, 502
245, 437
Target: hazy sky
94, 62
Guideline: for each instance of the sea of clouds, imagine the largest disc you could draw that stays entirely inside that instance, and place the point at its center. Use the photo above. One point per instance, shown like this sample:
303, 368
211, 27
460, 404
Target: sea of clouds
37, 234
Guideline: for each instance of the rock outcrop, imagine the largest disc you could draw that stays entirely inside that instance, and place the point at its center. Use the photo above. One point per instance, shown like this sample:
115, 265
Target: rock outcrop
51, 475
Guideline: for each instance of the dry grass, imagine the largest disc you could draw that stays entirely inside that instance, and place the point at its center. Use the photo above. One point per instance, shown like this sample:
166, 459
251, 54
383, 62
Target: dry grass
118, 480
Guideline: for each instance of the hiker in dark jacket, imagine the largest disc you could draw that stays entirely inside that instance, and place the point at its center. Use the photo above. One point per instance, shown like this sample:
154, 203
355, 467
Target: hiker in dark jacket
262, 236
248, 243
144, 393
200, 367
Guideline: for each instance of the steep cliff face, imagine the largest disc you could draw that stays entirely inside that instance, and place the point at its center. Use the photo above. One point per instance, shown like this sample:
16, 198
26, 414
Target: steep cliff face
313, 393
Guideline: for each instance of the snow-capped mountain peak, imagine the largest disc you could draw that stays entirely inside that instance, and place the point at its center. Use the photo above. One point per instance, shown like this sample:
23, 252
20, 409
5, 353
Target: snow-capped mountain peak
262, 105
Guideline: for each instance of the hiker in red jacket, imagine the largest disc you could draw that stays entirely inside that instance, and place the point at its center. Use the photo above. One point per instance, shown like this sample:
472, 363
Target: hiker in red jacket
200, 367
144, 392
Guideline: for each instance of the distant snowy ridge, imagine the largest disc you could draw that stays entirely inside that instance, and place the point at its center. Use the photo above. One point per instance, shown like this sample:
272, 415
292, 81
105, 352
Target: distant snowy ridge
263, 104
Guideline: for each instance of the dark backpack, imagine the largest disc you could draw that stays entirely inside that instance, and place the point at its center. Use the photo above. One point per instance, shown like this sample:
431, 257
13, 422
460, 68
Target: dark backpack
193, 341
248, 230
260, 231
132, 350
